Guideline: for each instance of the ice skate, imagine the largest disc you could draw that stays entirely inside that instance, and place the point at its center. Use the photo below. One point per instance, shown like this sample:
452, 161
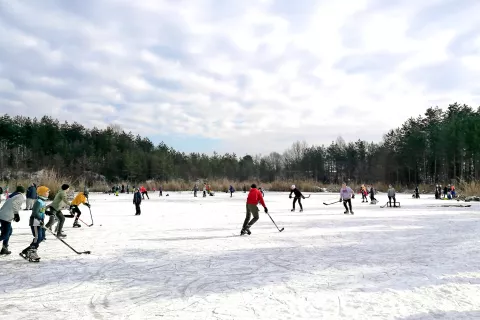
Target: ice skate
247, 230
61, 235
76, 225
5, 251
351, 212
346, 212
32, 256
293, 210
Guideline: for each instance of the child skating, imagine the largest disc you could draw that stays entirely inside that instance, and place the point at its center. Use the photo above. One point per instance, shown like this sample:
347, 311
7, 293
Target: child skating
36, 224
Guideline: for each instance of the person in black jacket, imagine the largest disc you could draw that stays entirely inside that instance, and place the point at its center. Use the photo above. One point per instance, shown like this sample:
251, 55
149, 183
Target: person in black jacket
372, 195
137, 200
298, 197
31, 196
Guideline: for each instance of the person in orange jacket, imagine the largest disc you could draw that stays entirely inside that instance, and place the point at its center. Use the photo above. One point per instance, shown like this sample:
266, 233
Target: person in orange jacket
75, 211
254, 198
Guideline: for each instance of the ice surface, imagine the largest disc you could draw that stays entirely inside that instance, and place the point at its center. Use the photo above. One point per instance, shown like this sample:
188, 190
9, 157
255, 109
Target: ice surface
183, 259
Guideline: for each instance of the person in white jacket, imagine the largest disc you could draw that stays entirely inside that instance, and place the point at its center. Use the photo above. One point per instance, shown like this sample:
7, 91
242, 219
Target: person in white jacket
10, 211
346, 195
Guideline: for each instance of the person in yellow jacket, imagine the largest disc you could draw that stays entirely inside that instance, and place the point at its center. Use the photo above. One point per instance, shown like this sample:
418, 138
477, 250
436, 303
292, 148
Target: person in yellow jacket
74, 210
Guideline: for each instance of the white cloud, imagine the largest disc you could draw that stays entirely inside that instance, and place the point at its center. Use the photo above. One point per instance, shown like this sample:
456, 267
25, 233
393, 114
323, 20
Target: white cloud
257, 75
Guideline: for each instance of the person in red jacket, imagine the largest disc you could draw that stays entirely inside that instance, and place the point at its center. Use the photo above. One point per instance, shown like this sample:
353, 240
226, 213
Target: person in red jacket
144, 192
254, 198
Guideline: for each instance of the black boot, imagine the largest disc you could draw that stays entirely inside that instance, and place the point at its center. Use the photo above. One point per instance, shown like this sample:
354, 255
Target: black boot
5, 250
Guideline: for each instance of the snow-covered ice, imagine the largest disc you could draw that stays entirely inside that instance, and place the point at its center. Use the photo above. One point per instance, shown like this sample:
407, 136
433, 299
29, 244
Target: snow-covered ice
183, 259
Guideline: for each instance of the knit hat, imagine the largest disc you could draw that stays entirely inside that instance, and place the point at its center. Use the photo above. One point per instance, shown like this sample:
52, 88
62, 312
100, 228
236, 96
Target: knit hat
253, 185
65, 186
20, 189
42, 190
293, 186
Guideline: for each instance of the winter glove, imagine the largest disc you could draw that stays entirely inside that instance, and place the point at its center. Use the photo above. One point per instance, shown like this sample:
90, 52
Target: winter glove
16, 217
353, 196
340, 200
87, 204
42, 223
265, 209
290, 197
303, 197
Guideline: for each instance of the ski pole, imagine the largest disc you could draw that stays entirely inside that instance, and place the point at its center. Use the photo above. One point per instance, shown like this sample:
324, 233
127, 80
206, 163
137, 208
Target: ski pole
280, 230
84, 252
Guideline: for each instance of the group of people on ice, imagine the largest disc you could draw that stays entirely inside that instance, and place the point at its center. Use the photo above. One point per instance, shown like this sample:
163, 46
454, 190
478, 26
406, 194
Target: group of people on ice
36, 201
448, 192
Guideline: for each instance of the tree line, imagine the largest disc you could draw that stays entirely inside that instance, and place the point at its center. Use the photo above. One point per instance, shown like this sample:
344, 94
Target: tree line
441, 146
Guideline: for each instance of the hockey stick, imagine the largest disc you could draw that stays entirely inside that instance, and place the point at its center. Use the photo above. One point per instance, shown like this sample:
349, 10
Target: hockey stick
279, 230
84, 222
328, 204
84, 252
384, 205
91, 217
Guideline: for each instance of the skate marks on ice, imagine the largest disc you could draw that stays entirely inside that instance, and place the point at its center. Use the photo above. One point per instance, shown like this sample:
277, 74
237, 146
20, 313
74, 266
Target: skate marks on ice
183, 263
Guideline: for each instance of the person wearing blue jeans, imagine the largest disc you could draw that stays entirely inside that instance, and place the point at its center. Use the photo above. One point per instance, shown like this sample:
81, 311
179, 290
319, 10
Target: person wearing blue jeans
10, 211
36, 224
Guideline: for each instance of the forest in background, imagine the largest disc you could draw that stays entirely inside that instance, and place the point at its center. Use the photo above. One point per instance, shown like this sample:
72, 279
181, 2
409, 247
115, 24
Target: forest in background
441, 146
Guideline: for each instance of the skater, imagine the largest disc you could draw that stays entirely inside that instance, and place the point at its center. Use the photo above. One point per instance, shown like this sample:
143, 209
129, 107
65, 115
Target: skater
364, 193
263, 193
195, 190
31, 196
445, 191
417, 193
244, 189
231, 190
75, 210
128, 189
209, 190
253, 199
10, 211
144, 193
454, 194
204, 190
56, 206
391, 195
1, 193
437, 194
123, 189
372, 195
346, 195
37, 219
137, 200
160, 189
298, 197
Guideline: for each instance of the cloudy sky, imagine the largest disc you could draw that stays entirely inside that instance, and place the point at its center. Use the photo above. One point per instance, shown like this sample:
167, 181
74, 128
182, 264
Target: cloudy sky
238, 75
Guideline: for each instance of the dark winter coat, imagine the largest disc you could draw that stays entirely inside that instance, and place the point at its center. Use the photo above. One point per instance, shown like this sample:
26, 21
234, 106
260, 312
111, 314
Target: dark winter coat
137, 198
297, 193
32, 192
